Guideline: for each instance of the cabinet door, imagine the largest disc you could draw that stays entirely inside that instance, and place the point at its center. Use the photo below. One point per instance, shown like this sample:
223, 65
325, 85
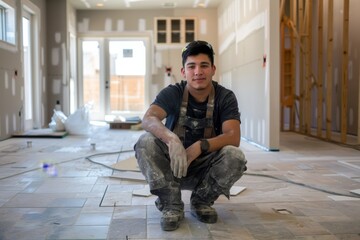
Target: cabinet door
161, 31
175, 29
189, 30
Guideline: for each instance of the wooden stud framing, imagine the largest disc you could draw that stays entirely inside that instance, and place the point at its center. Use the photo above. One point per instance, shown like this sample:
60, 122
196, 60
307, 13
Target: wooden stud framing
344, 82
320, 69
329, 68
293, 18
308, 63
301, 62
300, 30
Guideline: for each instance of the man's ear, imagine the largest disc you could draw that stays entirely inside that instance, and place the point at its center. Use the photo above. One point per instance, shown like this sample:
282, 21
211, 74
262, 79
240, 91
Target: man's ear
183, 72
214, 69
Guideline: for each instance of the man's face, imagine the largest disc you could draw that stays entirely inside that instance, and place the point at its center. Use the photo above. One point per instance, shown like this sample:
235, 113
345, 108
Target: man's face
198, 71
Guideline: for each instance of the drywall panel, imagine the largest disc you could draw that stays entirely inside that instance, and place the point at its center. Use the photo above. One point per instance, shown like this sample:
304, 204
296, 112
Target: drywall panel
245, 38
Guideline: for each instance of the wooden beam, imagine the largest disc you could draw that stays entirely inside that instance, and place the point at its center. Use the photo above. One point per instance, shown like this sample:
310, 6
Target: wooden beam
329, 68
293, 12
282, 5
308, 78
301, 62
320, 69
282, 81
293, 18
344, 82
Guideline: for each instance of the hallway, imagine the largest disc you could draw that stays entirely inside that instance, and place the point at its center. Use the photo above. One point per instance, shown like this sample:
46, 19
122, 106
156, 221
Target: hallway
82, 199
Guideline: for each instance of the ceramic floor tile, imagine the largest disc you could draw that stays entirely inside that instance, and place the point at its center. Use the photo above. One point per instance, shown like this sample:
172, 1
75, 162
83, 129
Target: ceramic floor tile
342, 227
49, 217
79, 232
113, 199
305, 226
31, 200
127, 229
100, 219
67, 202
26, 232
130, 212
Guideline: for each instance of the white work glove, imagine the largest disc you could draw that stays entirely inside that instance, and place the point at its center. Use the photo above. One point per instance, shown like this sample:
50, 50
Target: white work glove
178, 159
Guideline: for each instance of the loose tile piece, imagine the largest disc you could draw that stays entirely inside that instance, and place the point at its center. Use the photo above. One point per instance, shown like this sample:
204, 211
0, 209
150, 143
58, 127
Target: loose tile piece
235, 190
144, 192
343, 198
355, 191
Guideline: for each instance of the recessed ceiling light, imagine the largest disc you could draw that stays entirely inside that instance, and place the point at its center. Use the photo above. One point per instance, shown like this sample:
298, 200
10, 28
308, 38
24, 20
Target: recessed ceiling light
99, 4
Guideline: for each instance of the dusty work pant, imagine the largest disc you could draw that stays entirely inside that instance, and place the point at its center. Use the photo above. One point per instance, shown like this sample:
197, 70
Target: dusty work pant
208, 176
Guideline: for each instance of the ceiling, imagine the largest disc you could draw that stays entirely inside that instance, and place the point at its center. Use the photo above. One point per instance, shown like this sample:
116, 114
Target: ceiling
143, 4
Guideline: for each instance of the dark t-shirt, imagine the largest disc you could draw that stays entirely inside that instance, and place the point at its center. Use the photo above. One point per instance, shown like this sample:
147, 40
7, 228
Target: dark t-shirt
170, 98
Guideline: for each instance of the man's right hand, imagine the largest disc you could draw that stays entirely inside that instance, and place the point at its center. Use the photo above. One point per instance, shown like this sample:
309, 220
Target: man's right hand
178, 159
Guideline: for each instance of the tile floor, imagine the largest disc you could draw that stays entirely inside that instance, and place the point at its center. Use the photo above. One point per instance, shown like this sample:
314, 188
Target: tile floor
80, 199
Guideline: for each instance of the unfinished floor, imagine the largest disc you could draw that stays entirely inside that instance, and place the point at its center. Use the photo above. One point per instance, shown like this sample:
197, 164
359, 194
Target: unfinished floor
78, 198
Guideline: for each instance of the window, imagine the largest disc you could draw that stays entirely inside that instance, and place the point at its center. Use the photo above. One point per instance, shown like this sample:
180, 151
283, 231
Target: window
7, 22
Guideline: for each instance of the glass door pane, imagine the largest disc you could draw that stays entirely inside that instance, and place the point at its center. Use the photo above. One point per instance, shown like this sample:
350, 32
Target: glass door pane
127, 61
91, 76
28, 95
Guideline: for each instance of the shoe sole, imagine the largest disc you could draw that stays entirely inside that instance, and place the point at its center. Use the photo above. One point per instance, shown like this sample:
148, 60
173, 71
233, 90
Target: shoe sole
210, 218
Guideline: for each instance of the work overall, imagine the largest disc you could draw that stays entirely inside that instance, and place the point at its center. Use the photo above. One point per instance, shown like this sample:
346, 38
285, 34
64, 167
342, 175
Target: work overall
209, 176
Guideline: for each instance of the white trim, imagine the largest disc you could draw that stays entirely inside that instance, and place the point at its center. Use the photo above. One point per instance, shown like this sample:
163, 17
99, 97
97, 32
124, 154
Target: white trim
31, 8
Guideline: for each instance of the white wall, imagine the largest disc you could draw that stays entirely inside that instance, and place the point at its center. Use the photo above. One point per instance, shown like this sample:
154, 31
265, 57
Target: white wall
248, 31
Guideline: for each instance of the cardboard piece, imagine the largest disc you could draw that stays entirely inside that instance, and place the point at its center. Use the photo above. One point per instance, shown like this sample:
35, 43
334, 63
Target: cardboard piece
129, 164
129, 176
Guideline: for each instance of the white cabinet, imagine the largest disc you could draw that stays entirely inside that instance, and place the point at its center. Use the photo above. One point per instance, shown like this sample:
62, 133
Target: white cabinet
175, 30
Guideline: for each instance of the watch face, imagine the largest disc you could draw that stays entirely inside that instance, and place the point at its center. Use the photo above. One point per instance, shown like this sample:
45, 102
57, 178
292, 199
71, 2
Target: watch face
204, 145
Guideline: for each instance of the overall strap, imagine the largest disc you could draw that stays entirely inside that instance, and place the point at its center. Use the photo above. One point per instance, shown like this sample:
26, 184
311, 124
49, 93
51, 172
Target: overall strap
179, 129
209, 130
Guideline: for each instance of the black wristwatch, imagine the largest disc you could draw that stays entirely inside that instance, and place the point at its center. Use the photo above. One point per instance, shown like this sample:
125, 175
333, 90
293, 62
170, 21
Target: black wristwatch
204, 146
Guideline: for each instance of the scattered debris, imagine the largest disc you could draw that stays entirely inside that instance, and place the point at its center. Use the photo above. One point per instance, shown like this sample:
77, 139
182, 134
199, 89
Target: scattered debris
283, 211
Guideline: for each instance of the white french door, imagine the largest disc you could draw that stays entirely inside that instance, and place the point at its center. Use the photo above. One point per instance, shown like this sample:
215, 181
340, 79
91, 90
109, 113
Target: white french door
113, 76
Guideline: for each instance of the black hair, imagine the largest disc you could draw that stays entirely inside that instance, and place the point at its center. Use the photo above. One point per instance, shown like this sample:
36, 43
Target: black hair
197, 47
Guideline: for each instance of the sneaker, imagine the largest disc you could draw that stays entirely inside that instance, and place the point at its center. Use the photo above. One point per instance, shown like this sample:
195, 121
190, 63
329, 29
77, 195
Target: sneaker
204, 213
170, 219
